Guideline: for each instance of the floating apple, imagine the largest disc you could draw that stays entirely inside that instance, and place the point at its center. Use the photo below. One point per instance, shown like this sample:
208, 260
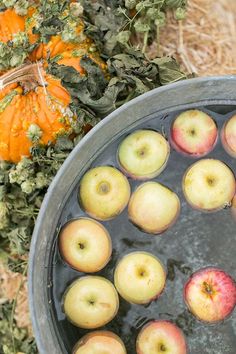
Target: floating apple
161, 337
234, 208
91, 302
139, 277
144, 154
85, 245
104, 192
194, 132
209, 185
228, 136
210, 294
100, 342
153, 207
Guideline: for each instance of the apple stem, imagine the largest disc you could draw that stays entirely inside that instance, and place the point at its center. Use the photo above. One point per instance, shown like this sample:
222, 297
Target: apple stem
208, 288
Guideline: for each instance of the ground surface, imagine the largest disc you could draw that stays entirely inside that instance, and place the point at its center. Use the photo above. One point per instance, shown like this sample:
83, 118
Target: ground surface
205, 42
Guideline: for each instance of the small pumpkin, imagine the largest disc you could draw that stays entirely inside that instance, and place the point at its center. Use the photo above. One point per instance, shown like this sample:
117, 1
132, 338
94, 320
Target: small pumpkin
34, 106
10, 24
35, 116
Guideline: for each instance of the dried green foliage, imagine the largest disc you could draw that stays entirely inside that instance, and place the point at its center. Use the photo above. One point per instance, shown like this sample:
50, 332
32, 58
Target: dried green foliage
21, 6
13, 339
22, 188
130, 75
14, 53
116, 23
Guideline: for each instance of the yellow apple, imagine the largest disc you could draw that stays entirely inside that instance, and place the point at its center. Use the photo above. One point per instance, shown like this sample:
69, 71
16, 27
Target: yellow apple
144, 154
100, 342
209, 185
153, 207
91, 302
104, 192
139, 277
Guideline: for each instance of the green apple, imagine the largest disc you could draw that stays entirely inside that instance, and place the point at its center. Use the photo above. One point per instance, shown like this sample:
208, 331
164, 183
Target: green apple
144, 154
139, 277
104, 192
100, 342
91, 302
209, 185
85, 245
153, 207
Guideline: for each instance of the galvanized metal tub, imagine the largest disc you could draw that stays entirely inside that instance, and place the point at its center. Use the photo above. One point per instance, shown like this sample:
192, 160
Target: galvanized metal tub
218, 96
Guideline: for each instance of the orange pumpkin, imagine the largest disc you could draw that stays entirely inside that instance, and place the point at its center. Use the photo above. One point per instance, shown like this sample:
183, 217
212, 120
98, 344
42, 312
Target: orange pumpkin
34, 106
10, 24
21, 113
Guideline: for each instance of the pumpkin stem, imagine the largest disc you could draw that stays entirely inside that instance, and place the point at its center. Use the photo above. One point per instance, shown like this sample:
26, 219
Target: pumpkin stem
29, 73
39, 69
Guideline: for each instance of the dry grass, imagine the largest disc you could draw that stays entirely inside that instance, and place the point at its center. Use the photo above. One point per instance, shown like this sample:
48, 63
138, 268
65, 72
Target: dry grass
205, 43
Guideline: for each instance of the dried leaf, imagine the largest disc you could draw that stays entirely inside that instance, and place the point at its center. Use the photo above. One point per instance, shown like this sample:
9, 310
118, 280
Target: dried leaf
169, 70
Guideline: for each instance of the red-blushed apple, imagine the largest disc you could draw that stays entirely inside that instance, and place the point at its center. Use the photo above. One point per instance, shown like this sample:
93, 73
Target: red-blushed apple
91, 302
209, 185
143, 154
194, 132
234, 208
100, 342
104, 192
161, 337
139, 277
228, 136
153, 207
210, 294
85, 245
